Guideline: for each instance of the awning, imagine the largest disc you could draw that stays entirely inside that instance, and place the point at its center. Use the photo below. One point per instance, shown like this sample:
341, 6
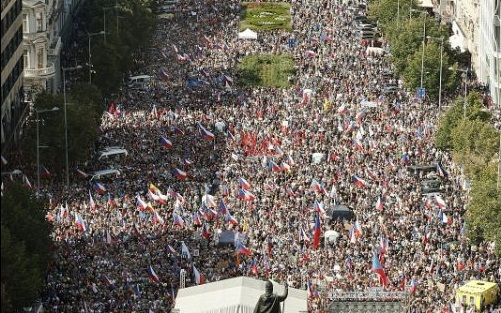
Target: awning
457, 41
425, 4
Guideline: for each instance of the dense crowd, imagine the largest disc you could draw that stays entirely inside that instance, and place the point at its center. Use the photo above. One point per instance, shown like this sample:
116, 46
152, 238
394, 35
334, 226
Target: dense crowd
119, 250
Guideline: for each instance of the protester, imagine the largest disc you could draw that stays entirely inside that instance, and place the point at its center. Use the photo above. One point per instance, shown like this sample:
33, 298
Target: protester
200, 139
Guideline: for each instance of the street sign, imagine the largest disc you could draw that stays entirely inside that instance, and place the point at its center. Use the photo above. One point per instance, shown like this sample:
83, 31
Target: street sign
420, 93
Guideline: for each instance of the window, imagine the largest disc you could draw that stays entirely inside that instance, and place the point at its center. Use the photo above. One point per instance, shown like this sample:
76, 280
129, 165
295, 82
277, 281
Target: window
39, 22
26, 61
40, 58
25, 24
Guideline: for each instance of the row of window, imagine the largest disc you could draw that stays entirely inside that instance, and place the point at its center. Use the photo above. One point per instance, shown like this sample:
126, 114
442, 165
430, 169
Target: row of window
11, 16
11, 47
17, 71
40, 22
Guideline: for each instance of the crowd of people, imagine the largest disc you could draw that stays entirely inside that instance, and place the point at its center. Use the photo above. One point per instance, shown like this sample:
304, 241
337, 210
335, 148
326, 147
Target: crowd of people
207, 157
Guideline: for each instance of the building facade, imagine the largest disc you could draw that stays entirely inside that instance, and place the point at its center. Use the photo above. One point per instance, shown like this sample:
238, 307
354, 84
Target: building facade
38, 71
13, 106
489, 71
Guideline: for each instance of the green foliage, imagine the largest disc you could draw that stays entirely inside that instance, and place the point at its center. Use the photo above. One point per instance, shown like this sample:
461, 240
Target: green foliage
484, 210
266, 70
388, 11
475, 143
409, 39
25, 248
430, 70
83, 115
265, 16
132, 29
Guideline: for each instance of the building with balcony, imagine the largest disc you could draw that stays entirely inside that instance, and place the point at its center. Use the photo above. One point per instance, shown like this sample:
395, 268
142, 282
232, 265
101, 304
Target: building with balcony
38, 71
13, 106
489, 72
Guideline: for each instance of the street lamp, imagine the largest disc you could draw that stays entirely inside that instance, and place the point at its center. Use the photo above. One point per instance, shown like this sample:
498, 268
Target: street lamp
441, 65
74, 68
104, 18
465, 73
54, 109
90, 64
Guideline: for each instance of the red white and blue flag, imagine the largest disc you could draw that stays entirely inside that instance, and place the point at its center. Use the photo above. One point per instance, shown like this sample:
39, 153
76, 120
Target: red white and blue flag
99, 188
359, 181
180, 174
80, 222
244, 184
166, 143
206, 134
153, 276
243, 249
246, 195
378, 269
316, 231
177, 220
82, 174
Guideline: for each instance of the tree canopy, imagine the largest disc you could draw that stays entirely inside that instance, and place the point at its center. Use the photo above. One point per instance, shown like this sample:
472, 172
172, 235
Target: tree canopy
25, 247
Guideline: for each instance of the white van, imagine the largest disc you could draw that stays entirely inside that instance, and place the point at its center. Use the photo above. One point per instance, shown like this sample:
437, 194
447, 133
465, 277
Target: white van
139, 82
110, 152
103, 173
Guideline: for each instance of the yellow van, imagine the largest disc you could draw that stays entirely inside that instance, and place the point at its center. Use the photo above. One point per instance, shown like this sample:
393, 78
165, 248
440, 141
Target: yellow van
477, 292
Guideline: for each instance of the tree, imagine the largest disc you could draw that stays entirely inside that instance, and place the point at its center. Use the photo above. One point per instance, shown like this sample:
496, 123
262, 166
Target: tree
483, 216
429, 67
25, 247
410, 39
388, 11
451, 119
84, 111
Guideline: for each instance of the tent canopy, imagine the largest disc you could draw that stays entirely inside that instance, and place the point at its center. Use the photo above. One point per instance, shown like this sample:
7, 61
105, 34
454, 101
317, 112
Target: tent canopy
247, 34
239, 294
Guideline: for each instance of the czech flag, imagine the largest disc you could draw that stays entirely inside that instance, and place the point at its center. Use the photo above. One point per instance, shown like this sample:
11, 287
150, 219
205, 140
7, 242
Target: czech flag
199, 278
195, 219
80, 222
274, 167
157, 218
244, 184
153, 276
440, 201
99, 188
222, 208
310, 53
316, 232
204, 132
359, 181
178, 220
376, 267
205, 231
318, 207
246, 195
243, 249
177, 131
142, 205
166, 143
230, 219
180, 174
413, 286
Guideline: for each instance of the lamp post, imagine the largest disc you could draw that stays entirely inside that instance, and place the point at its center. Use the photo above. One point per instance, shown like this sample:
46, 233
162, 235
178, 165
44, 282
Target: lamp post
465, 73
440, 79
423, 43
104, 19
119, 17
67, 174
38, 141
90, 64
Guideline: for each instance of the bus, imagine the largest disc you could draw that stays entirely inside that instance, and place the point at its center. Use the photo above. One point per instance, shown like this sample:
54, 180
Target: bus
479, 293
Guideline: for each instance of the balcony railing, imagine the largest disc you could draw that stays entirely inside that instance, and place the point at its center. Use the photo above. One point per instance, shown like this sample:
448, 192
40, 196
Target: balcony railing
40, 72
35, 36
